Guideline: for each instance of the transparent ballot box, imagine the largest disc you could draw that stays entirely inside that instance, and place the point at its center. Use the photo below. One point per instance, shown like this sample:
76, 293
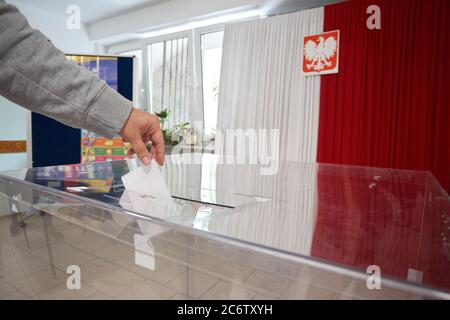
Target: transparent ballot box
308, 231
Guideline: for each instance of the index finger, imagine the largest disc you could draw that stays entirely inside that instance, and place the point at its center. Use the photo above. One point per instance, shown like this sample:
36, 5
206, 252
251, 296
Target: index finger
157, 139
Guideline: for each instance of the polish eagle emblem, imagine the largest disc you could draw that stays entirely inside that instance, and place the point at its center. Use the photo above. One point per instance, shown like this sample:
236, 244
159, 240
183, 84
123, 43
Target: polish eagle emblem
320, 53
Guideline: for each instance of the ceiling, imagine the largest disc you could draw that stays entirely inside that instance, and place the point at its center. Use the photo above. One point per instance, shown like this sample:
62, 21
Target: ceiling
92, 10
116, 21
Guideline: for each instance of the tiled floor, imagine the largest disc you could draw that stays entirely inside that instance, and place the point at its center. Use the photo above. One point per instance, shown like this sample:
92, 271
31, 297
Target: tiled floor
225, 290
34, 259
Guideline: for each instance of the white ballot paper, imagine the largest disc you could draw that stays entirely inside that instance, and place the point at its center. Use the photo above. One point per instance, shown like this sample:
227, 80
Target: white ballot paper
144, 254
146, 192
148, 181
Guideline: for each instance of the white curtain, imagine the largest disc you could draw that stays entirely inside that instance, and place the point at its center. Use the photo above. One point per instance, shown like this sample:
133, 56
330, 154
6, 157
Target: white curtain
261, 84
285, 221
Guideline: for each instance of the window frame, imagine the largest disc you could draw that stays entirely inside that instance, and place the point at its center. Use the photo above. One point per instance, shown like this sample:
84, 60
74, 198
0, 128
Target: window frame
198, 37
157, 39
195, 71
143, 96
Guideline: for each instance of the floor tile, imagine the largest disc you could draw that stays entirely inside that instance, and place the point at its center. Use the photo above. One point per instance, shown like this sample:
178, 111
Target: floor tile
113, 251
93, 243
43, 280
117, 282
192, 283
33, 265
203, 261
386, 293
267, 283
231, 271
176, 252
263, 263
165, 270
17, 295
289, 270
6, 289
75, 257
299, 291
98, 295
17, 279
29, 292
95, 269
260, 296
223, 291
148, 290
178, 296
59, 293
15, 254
56, 249
88, 292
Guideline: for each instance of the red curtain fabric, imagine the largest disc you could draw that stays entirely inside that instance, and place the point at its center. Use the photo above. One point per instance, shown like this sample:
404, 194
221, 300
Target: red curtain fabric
362, 221
360, 225
389, 104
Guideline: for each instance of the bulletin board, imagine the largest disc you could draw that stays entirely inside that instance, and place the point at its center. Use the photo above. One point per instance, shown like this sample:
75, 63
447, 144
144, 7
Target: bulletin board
54, 143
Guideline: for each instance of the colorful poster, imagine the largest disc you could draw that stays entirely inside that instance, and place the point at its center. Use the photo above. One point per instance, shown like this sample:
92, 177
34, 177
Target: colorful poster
95, 148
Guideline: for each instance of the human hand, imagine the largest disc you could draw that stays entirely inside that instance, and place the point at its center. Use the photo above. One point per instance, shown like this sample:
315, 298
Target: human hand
140, 128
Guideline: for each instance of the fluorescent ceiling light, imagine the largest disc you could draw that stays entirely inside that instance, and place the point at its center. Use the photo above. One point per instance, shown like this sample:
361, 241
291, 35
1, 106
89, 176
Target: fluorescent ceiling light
200, 23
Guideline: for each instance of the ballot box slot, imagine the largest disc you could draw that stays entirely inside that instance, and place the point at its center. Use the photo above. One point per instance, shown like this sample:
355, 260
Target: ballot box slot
204, 202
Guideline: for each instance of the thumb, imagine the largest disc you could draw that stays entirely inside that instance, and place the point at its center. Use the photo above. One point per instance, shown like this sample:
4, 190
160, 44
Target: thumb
140, 149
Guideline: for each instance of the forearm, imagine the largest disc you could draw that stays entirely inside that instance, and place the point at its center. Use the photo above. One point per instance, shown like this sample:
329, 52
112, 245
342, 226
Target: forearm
36, 75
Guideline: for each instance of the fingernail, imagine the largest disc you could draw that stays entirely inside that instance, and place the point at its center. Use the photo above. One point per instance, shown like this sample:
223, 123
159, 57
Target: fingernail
145, 161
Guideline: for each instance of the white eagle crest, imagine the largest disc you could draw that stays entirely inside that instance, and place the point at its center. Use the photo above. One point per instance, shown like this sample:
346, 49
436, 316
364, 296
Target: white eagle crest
318, 54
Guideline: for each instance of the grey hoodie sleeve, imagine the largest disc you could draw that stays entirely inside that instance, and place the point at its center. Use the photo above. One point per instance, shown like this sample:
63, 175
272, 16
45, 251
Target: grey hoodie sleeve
37, 76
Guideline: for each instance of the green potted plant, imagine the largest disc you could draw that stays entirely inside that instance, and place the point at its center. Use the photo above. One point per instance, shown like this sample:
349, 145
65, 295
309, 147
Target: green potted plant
172, 136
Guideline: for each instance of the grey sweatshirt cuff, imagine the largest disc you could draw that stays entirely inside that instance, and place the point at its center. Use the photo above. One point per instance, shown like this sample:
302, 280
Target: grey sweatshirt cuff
108, 113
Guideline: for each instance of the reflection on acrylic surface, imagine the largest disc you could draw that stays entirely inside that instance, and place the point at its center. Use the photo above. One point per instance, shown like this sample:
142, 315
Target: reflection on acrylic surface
348, 215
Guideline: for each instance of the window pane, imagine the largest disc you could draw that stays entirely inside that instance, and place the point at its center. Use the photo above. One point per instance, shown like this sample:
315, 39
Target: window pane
168, 61
211, 62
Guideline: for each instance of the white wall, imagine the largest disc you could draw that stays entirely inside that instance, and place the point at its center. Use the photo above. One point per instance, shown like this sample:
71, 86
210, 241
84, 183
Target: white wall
14, 119
54, 27
13, 126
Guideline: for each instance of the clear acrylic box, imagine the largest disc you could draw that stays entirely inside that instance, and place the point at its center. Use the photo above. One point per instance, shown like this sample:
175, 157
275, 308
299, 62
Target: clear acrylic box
311, 231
